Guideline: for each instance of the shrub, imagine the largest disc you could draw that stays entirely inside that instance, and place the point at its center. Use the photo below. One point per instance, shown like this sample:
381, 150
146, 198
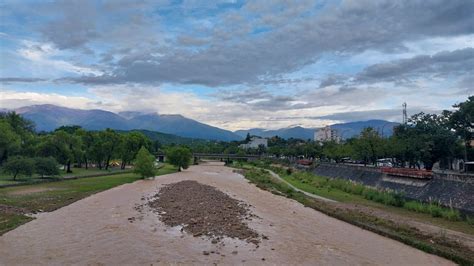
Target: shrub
144, 163
46, 166
17, 165
470, 220
451, 214
415, 206
435, 210
179, 156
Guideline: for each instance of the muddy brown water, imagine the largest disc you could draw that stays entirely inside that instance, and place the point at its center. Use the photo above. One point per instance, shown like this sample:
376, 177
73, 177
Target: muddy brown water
97, 230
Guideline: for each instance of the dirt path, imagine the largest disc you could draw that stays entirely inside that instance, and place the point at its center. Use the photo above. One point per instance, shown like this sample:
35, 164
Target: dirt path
107, 229
297, 189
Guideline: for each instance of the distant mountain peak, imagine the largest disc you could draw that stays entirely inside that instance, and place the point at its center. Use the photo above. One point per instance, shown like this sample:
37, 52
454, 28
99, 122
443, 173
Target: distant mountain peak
349, 129
49, 117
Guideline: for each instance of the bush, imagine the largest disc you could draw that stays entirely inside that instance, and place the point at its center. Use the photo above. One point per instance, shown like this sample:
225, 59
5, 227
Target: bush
415, 206
144, 163
17, 165
470, 220
435, 210
46, 166
451, 214
179, 156
289, 171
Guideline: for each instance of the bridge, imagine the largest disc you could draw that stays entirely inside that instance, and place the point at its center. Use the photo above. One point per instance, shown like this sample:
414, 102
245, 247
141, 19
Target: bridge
219, 156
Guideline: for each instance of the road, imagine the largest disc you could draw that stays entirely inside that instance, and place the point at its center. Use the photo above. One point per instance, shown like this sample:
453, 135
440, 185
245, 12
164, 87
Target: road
97, 230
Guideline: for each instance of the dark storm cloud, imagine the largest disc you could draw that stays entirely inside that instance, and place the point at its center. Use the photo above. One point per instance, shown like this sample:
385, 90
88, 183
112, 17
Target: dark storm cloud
332, 80
294, 42
74, 26
444, 63
383, 114
257, 99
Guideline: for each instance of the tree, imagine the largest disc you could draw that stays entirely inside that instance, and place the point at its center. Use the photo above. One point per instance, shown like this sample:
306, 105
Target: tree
87, 140
368, 147
129, 146
109, 139
17, 165
427, 138
104, 146
9, 141
462, 121
69, 147
46, 166
144, 163
179, 156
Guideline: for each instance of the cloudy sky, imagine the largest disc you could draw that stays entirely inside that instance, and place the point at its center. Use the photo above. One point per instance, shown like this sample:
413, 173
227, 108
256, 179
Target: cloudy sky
239, 64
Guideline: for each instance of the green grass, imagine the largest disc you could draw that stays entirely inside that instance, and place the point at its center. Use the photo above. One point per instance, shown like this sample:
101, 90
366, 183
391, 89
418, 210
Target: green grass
54, 195
409, 235
77, 172
9, 221
354, 194
346, 191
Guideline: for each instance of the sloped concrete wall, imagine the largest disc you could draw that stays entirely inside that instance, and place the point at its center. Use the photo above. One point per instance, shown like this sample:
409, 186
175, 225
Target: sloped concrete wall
450, 190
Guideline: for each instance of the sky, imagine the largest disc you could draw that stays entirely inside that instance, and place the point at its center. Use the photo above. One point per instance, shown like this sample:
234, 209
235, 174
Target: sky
239, 64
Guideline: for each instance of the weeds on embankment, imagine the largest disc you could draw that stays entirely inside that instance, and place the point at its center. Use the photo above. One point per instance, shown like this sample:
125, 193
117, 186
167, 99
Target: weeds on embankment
380, 196
434, 244
389, 198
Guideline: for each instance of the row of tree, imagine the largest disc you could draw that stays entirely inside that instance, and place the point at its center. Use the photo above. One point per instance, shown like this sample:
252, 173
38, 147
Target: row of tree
425, 140
24, 152
68, 145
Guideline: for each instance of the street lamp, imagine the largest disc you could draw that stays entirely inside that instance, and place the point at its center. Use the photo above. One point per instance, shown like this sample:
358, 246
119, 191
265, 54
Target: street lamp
384, 127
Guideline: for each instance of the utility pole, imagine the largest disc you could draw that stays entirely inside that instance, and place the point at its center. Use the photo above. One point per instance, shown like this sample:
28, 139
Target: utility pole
405, 117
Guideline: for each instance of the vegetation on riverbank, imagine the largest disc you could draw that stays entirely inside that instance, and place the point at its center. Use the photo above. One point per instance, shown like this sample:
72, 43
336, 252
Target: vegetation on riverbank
347, 191
15, 202
435, 244
76, 173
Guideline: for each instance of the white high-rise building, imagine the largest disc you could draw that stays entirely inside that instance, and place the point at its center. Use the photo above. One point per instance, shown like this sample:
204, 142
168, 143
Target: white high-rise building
326, 134
254, 143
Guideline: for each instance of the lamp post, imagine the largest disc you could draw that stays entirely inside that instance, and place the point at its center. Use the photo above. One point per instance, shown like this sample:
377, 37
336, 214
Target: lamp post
383, 128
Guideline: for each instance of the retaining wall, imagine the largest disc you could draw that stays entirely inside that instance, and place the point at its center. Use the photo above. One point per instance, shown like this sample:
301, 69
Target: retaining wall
449, 189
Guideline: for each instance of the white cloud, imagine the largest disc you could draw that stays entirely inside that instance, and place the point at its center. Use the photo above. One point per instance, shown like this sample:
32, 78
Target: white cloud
43, 56
14, 99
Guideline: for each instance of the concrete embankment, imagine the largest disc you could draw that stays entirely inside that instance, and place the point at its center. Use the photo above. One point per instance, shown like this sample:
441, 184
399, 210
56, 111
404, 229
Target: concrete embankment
448, 189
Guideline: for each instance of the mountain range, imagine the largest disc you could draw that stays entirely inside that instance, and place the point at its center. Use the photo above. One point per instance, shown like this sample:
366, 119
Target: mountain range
49, 117
347, 130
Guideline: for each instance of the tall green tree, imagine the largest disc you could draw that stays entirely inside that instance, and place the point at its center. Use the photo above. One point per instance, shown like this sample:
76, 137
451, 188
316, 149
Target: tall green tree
144, 163
9, 141
462, 121
368, 147
428, 139
179, 156
129, 146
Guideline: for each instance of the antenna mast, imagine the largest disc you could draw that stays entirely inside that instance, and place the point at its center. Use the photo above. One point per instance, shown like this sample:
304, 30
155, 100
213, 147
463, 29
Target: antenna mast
405, 117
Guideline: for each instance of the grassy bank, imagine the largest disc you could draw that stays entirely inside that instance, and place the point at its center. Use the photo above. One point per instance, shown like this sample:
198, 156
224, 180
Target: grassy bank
76, 172
435, 244
16, 201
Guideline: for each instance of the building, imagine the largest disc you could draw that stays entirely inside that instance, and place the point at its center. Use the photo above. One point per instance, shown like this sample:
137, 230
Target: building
254, 143
326, 134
